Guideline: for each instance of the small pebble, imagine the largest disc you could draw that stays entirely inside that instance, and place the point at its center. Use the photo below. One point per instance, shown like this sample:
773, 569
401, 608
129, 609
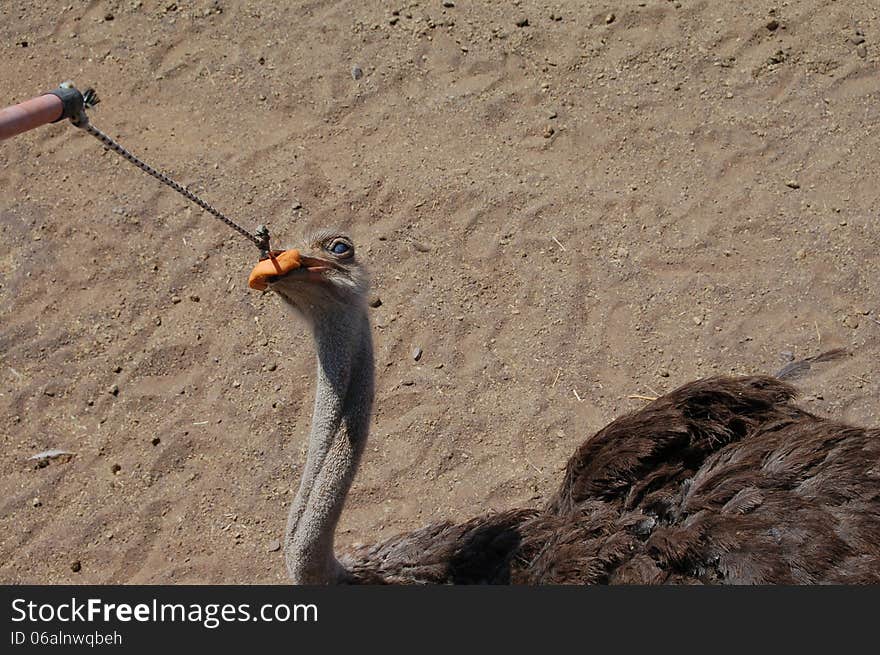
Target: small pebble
194, 298
522, 22
76, 566
175, 299
862, 51
793, 184
36, 502
610, 18
155, 441
448, 4
549, 131
274, 546
772, 25
663, 373
115, 469
356, 72
375, 301
416, 353
271, 367
113, 390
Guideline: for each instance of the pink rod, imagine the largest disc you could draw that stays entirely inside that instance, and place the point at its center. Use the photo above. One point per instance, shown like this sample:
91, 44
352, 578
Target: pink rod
29, 114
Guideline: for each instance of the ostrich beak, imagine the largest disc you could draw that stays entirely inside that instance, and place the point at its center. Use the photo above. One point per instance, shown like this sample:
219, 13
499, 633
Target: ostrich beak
282, 263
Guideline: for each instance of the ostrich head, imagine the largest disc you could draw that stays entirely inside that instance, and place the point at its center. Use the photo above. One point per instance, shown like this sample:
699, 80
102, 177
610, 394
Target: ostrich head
325, 278
325, 284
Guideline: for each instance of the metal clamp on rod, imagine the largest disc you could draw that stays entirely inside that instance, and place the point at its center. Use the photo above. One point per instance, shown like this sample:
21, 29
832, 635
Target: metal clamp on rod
64, 102
71, 100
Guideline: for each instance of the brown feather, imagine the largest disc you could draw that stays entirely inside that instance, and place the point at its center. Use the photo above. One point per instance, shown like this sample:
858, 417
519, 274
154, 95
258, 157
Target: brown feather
723, 480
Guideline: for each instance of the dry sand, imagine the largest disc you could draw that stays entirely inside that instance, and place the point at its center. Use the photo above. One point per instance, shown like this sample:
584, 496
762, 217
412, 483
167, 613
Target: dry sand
609, 201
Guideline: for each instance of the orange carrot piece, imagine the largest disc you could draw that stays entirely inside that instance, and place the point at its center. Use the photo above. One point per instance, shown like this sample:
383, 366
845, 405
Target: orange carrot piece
277, 264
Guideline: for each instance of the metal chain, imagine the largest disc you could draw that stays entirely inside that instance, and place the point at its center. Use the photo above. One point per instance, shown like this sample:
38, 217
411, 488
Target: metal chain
260, 239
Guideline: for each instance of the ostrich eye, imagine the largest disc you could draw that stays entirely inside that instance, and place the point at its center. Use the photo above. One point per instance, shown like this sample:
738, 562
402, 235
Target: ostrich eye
340, 248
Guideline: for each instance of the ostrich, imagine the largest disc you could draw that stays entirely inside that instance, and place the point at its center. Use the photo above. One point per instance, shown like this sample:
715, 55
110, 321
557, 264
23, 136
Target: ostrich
722, 481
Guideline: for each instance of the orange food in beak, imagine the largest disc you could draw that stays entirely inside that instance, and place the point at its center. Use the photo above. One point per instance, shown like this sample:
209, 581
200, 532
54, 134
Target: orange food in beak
282, 263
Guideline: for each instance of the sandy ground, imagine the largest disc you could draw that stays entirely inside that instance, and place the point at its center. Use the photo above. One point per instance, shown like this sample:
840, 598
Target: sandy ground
607, 201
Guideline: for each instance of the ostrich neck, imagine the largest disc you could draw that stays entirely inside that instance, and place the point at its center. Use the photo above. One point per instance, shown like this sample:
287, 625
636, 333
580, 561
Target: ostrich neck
340, 423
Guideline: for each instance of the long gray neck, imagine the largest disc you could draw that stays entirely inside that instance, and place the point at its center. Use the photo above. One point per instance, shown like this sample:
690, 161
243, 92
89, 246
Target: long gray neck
340, 423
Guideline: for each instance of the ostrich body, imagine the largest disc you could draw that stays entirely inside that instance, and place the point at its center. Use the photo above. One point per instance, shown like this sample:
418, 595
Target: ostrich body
723, 480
